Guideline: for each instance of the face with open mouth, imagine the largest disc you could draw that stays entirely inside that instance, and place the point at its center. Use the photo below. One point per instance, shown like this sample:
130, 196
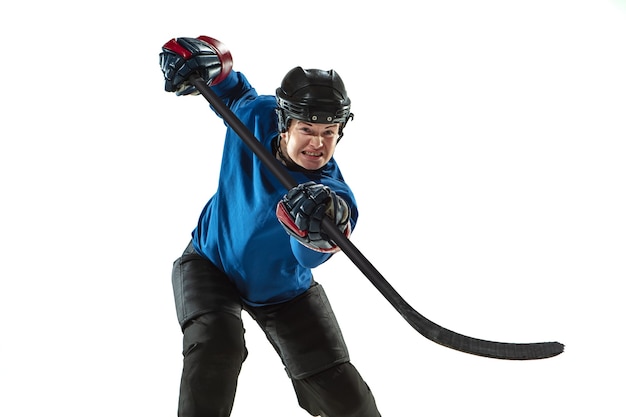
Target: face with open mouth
310, 145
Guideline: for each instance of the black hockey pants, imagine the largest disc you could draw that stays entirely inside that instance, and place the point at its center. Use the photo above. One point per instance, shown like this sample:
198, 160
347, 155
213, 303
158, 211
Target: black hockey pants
303, 331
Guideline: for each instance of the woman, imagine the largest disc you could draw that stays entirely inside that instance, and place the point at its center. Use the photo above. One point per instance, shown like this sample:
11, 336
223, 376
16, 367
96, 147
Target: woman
254, 246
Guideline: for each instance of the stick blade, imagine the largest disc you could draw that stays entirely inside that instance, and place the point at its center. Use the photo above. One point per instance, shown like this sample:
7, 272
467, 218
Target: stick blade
480, 347
499, 350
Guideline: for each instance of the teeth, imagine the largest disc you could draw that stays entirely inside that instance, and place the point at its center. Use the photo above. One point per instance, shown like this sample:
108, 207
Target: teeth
312, 154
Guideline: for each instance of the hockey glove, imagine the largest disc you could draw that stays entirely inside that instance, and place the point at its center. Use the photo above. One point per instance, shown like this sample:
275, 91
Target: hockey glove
301, 212
204, 56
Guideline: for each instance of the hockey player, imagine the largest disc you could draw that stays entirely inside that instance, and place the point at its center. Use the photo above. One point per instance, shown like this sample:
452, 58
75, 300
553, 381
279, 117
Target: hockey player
256, 243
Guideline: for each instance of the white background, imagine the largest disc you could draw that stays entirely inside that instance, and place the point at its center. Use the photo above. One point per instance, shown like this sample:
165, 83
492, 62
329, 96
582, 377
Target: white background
487, 154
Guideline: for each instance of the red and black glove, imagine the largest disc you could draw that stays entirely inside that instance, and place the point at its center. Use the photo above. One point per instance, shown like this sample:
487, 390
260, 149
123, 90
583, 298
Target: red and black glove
301, 212
204, 56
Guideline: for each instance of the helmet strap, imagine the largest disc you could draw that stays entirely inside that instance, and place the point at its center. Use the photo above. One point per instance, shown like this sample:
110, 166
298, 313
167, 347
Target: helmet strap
286, 159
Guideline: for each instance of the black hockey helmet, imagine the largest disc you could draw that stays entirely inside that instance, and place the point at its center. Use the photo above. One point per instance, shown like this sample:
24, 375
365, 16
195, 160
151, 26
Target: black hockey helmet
314, 96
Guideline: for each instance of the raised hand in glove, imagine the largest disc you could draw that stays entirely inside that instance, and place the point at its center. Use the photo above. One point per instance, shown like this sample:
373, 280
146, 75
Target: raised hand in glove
204, 56
301, 212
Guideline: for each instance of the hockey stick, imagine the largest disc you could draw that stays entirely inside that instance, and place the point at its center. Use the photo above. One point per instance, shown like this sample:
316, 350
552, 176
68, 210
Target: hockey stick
427, 328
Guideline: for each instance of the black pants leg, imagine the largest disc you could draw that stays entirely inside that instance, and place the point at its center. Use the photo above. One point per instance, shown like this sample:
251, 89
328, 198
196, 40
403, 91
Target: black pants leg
209, 312
214, 350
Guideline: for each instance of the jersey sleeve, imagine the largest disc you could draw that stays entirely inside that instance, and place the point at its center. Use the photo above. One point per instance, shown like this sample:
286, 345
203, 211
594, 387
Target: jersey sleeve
306, 257
234, 88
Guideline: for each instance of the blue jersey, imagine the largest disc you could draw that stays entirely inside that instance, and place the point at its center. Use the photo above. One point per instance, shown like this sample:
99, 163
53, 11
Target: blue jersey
238, 230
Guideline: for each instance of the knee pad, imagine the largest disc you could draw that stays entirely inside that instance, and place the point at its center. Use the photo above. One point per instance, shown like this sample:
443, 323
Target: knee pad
215, 337
214, 351
338, 391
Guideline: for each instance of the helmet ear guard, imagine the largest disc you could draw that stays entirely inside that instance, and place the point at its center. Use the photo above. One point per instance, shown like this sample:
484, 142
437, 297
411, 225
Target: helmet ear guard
314, 96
